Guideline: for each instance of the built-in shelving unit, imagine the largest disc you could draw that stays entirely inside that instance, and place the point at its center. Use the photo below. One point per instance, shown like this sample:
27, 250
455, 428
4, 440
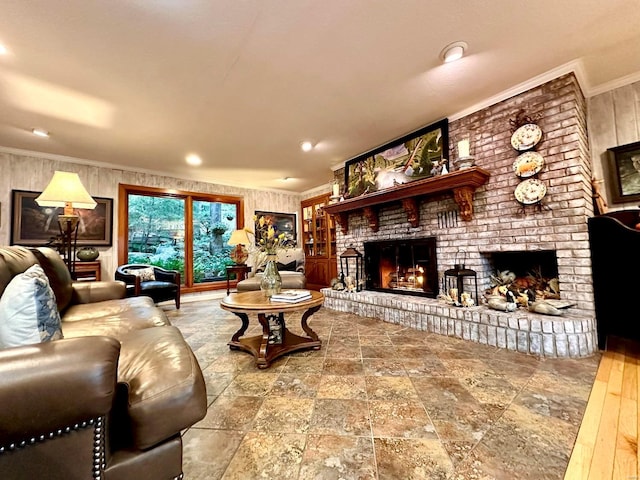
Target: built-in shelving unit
463, 184
319, 242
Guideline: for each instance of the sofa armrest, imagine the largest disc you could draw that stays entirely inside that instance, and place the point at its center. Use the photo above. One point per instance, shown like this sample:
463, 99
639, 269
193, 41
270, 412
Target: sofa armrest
91, 292
165, 386
52, 385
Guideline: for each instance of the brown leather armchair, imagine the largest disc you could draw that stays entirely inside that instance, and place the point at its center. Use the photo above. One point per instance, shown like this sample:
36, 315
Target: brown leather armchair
110, 400
165, 285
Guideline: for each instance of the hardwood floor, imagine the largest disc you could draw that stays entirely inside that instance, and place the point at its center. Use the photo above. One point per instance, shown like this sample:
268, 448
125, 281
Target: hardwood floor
607, 443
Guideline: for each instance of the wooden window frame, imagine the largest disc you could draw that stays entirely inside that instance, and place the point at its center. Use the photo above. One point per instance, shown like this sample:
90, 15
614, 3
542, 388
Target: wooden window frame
124, 190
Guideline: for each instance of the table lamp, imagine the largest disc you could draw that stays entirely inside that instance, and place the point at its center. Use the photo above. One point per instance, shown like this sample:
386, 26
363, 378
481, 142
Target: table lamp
239, 239
66, 190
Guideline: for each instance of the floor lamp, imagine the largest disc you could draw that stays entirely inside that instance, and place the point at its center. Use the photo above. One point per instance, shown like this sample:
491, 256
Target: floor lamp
66, 190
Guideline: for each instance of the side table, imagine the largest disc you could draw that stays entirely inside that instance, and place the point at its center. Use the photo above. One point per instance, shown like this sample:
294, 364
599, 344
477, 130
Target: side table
241, 272
87, 271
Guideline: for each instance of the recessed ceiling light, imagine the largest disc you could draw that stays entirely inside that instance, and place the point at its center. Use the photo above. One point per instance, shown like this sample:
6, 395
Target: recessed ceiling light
193, 159
306, 146
3, 50
40, 132
453, 51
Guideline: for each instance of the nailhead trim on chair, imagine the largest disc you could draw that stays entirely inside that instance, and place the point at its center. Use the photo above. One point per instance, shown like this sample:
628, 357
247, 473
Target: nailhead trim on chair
179, 477
98, 442
98, 449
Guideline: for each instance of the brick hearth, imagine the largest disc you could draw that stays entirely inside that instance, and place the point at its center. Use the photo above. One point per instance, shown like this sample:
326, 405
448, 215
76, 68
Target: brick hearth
500, 224
519, 331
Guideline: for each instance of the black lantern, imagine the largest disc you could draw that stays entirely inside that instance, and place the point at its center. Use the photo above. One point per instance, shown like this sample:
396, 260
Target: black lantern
454, 278
352, 258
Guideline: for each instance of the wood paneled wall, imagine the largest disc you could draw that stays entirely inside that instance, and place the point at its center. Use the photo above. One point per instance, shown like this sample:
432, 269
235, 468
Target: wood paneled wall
613, 119
30, 172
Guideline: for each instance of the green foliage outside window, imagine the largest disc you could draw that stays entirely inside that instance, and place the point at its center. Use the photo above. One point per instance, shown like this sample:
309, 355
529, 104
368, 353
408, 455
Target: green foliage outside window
156, 235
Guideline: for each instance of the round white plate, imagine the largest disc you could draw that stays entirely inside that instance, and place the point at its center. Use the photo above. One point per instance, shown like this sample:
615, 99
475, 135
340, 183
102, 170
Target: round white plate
528, 164
530, 191
526, 137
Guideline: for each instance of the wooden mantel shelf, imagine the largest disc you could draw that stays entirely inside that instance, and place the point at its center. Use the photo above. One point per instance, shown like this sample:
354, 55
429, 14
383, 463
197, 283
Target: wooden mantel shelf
462, 183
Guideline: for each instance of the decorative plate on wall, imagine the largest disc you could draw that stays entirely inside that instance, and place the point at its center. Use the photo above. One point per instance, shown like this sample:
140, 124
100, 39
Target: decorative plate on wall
528, 164
530, 191
526, 137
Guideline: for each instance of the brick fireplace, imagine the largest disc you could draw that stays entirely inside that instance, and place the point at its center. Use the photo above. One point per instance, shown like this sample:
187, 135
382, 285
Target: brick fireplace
499, 228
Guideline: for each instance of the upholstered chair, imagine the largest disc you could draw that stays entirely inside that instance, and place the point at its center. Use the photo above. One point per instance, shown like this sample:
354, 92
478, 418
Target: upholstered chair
150, 280
291, 266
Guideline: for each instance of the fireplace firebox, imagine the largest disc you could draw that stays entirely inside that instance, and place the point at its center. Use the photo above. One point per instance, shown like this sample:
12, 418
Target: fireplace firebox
405, 266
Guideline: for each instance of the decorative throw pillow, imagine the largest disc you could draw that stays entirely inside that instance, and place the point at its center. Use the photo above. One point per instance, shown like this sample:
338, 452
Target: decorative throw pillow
145, 274
283, 267
28, 310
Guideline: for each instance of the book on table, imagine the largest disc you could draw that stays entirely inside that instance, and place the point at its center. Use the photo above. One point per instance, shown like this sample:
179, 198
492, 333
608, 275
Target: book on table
291, 296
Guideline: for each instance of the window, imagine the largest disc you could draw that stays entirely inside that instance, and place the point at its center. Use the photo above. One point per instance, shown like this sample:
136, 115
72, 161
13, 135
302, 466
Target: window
177, 230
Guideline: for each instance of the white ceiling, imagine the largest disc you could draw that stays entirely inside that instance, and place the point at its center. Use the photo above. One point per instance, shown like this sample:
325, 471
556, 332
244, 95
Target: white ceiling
141, 83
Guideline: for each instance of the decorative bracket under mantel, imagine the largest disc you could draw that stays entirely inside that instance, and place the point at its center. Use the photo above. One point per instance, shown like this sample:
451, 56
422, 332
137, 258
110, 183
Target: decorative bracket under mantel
463, 183
410, 206
371, 214
464, 198
343, 220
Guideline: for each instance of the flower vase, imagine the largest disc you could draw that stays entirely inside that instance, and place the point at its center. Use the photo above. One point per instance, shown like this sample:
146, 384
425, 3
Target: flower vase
271, 282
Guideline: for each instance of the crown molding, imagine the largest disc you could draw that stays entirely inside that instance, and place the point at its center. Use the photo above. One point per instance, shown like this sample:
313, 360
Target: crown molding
613, 84
575, 66
93, 163
337, 167
319, 190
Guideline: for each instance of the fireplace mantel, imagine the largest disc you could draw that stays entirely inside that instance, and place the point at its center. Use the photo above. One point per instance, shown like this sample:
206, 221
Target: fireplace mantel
462, 183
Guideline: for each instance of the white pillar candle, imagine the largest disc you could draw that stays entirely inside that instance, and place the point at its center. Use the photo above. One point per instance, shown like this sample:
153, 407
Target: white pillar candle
336, 190
463, 148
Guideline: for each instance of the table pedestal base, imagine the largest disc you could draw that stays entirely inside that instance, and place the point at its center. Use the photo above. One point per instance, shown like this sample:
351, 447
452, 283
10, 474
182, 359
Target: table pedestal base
264, 351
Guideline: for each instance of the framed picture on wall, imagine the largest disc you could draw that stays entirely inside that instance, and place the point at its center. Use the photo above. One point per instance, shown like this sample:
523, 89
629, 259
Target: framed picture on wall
624, 173
420, 154
33, 225
282, 223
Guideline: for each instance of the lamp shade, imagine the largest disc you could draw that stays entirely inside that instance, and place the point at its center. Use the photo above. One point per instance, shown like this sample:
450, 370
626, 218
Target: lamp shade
65, 190
239, 237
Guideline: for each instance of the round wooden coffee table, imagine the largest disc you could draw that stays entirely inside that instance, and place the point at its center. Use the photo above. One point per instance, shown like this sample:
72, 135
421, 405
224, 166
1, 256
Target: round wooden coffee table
276, 340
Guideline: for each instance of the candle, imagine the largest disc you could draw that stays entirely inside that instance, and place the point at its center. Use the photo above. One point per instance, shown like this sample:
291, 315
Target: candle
336, 190
463, 148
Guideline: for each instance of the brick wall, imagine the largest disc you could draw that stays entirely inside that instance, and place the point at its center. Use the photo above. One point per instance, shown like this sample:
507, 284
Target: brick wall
499, 222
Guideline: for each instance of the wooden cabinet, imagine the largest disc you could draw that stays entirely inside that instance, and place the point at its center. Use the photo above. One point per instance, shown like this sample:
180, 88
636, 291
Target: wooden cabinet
319, 242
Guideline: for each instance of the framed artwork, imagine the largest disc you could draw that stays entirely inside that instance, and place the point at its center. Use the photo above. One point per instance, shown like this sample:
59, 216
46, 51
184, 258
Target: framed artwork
33, 225
282, 223
421, 154
624, 173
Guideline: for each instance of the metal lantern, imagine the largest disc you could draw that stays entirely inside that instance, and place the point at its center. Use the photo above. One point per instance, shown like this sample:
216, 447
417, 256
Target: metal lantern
454, 280
352, 258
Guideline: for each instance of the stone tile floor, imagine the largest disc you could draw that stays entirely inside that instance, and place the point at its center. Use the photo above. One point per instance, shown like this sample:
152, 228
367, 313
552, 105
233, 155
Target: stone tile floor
378, 401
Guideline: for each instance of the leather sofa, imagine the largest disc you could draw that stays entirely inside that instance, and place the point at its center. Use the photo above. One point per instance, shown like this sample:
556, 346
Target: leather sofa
291, 267
110, 400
